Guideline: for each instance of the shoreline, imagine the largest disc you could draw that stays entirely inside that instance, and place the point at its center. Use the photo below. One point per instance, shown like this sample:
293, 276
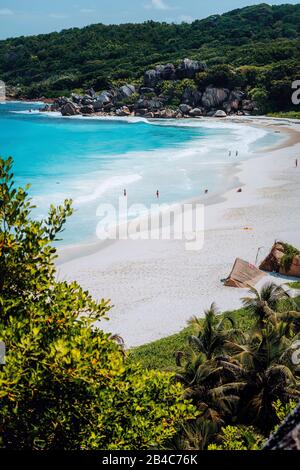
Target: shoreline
75, 251
159, 286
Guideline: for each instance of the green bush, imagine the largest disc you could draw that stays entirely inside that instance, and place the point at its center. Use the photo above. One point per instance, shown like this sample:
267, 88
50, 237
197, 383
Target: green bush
289, 253
173, 90
65, 383
260, 96
238, 438
220, 76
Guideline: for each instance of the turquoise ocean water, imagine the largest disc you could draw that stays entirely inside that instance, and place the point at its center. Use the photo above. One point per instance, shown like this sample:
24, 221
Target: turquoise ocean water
93, 160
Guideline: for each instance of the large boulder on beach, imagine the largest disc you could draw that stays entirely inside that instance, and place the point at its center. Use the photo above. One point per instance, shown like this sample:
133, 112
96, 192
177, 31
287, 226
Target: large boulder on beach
191, 97
283, 259
87, 109
91, 93
103, 99
196, 112
70, 109
124, 111
220, 114
141, 111
189, 68
61, 101
248, 105
152, 105
168, 114
76, 98
155, 104
214, 97
234, 103
185, 108
87, 100
231, 106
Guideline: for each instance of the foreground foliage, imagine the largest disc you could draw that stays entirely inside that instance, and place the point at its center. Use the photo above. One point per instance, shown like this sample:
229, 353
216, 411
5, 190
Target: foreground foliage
65, 384
238, 370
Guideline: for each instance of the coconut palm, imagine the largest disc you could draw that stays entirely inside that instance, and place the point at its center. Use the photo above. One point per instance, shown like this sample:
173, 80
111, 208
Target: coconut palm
262, 304
215, 333
195, 435
234, 377
269, 374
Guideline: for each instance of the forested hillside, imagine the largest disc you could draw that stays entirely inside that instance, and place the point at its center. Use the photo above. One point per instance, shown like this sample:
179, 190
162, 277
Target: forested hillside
261, 44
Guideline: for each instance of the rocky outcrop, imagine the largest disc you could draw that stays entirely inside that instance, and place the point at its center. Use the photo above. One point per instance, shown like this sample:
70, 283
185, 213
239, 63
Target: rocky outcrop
104, 98
281, 260
152, 105
125, 91
185, 108
76, 98
168, 114
151, 78
166, 72
191, 97
189, 68
214, 97
91, 93
234, 102
161, 72
186, 69
248, 105
70, 109
124, 111
152, 101
87, 109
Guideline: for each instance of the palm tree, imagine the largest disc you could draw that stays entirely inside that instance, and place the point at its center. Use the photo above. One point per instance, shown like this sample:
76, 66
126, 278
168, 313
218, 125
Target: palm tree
208, 376
230, 375
262, 304
215, 333
269, 374
195, 435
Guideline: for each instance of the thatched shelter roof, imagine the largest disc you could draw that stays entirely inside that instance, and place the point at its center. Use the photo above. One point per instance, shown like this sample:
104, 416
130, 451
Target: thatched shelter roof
243, 275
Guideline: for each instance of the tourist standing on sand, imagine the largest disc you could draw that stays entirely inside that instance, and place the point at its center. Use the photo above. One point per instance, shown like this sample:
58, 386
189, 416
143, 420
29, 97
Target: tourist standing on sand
157, 194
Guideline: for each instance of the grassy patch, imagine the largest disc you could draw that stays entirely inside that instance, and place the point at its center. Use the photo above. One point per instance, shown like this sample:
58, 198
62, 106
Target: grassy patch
294, 285
288, 114
161, 354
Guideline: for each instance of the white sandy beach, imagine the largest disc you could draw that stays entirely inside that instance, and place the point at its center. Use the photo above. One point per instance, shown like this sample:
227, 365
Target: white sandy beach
156, 286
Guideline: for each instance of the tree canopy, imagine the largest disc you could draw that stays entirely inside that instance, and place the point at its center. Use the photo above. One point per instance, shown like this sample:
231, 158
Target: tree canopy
261, 44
